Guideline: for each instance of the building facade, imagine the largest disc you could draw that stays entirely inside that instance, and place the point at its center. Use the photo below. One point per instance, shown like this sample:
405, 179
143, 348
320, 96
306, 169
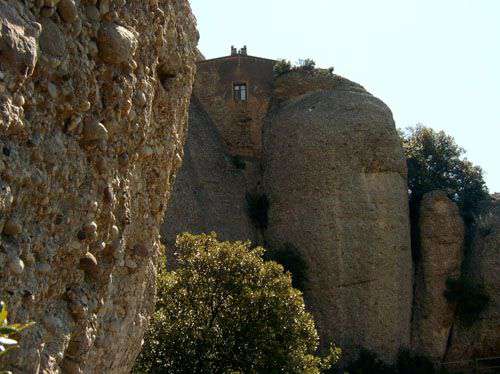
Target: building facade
236, 91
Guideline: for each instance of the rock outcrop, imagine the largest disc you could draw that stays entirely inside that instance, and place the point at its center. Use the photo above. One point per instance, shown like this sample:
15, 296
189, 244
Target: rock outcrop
335, 176
209, 191
482, 267
93, 108
441, 254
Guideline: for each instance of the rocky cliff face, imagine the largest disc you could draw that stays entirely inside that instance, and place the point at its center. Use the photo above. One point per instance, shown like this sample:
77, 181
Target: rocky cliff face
94, 96
335, 176
482, 267
209, 191
441, 249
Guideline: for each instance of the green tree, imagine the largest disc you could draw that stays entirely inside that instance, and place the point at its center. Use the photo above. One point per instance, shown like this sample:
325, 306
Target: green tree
436, 162
226, 310
282, 67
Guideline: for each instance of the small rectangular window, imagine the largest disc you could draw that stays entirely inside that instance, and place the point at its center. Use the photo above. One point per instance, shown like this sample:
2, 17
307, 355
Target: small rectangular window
240, 91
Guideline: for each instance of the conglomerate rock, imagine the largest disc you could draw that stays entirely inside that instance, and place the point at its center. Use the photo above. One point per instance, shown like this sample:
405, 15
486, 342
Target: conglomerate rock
482, 339
441, 254
91, 134
335, 176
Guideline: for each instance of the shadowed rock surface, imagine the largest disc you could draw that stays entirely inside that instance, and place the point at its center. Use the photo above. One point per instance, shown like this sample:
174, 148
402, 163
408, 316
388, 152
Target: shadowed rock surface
335, 176
91, 136
209, 191
482, 339
441, 254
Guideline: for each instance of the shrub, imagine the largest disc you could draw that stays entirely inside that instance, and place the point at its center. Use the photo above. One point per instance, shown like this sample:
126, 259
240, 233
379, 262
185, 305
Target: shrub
282, 67
257, 209
469, 297
292, 261
308, 64
226, 310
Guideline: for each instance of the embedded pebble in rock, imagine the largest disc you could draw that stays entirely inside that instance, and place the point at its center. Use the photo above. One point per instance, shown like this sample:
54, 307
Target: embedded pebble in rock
12, 228
88, 263
116, 43
140, 99
73, 203
52, 89
90, 227
18, 40
16, 265
95, 131
68, 11
115, 231
92, 13
52, 41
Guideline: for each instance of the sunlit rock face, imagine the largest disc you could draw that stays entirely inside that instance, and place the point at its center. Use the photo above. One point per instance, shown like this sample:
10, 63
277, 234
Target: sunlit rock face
335, 176
93, 110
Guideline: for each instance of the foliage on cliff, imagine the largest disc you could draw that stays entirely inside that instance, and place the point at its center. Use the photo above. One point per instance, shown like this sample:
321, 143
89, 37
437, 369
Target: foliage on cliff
8, 332
283, 67
436, 162
227, 310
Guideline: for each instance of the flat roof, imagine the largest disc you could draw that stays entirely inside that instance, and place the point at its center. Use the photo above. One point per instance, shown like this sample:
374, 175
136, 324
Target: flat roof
235, 57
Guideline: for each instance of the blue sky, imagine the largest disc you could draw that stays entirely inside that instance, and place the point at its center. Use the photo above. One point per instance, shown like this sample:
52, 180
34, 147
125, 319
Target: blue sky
433, 62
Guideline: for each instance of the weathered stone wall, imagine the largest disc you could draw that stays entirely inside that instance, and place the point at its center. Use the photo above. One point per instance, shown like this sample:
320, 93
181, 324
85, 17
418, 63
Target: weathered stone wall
93, 104
335, 176
482, 267
209, 190
238, 122
441, 254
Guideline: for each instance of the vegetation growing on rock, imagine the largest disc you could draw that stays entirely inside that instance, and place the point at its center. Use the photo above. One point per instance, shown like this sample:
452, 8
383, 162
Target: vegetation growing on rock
436, 162
8, 331
225, 309
283, 66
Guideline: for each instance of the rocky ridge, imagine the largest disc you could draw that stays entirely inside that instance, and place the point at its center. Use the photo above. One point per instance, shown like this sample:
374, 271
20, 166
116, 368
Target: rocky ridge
93, 109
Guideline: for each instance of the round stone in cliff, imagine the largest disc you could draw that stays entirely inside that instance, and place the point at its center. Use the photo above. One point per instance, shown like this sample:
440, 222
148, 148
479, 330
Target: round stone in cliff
88, 264
90, 227
94, 131
16, 265
68, 11
52, 40
18, 40
116, 43
12, 228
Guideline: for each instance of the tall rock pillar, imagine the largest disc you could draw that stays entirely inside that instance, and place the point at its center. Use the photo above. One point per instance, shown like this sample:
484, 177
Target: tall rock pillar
441, 253
335, 176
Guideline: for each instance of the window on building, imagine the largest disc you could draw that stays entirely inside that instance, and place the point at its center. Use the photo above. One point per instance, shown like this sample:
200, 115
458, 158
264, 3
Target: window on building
240, 91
